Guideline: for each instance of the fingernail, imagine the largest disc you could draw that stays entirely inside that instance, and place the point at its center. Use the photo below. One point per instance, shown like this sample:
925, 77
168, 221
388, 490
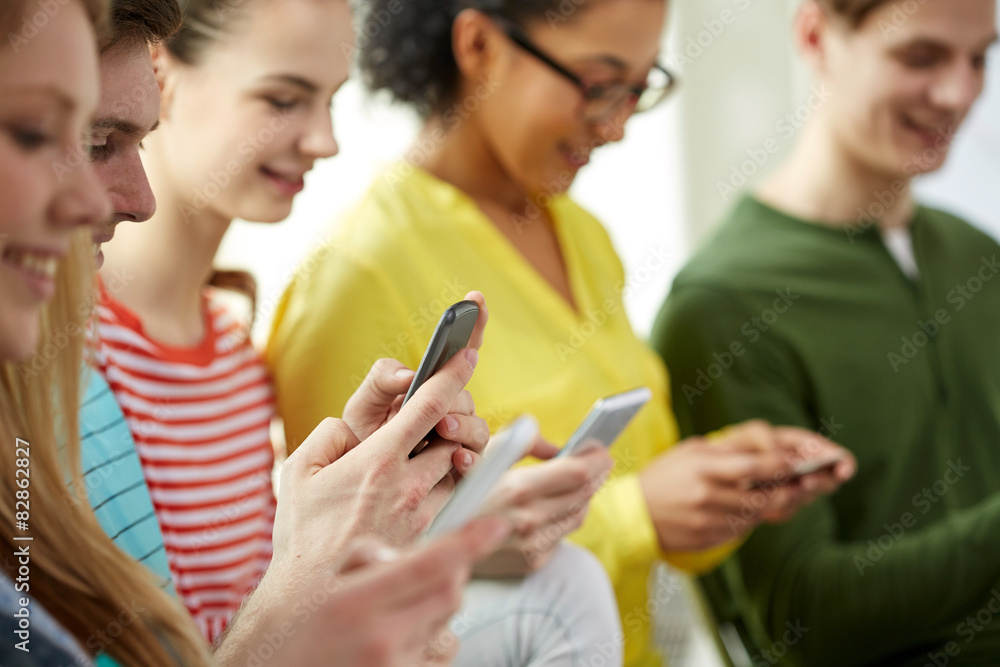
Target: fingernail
471, 356
466, 459
451, 424
403, 373
385, 555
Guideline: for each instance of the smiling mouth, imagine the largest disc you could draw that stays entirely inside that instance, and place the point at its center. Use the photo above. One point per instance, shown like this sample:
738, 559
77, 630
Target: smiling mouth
41, 265
943, 133
576, 158
291, 180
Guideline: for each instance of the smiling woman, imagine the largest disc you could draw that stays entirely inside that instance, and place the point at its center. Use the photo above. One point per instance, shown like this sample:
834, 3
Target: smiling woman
246, 94
43, 112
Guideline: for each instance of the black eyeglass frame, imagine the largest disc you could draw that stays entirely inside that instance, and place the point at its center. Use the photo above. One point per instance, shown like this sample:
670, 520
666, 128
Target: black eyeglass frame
517, 35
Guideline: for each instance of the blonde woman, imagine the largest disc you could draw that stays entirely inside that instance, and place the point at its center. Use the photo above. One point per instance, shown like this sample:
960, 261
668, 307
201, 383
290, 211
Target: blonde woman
83, 597
48, 89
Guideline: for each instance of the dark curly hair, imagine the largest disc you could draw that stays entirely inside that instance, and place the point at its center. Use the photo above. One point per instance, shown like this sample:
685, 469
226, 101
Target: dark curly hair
404, 46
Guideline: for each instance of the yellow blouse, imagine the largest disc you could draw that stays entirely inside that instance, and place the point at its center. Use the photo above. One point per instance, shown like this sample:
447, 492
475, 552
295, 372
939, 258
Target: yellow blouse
415, 245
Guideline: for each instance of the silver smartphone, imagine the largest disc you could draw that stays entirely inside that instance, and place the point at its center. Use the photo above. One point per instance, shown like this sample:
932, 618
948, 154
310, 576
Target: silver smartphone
452, 334
817, 465
506, 448
606, 421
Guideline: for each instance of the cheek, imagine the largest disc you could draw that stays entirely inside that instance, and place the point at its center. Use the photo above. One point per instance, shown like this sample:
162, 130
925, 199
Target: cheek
528, 131
20, 318
23, 193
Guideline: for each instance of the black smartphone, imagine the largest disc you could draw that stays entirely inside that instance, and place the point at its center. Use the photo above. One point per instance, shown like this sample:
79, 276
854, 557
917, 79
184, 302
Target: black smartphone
452, 334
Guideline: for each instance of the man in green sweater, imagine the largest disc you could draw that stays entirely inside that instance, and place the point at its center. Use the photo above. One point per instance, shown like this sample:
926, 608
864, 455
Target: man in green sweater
829, 300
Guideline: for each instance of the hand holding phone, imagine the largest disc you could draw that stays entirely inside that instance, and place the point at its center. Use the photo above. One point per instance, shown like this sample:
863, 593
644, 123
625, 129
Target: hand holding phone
824, 464
507, 448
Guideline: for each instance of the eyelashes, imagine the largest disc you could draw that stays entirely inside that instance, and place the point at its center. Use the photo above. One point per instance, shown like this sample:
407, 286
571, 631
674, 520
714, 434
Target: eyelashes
30, 139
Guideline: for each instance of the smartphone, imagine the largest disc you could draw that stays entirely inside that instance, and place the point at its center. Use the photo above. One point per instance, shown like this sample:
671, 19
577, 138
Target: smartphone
606, 420
506, 448
826, 464
452, 334
816, 465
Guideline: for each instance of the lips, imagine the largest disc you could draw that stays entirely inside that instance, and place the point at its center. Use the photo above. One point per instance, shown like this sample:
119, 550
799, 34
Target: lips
929, 133
576, 158
37, 267
287, 183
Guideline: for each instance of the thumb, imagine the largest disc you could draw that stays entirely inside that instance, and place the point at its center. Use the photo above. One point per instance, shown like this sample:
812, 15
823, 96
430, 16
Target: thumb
428, 406
386, 380
327, 443
542, 449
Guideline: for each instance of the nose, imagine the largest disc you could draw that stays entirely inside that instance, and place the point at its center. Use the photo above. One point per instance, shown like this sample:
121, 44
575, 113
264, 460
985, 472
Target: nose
81, 200
958, 87
318, 140
611, 129
131, 196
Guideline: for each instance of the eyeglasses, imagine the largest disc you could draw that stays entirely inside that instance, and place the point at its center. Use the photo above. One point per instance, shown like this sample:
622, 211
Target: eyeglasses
600, 101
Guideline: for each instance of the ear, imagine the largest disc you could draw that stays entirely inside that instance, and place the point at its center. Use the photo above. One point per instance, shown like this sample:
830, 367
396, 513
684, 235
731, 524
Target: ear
475, 42
810, 34
163, 69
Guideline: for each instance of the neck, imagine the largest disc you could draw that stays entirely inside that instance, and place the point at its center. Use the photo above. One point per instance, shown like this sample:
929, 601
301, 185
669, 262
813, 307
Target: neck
160, 267
821, 181
461, 156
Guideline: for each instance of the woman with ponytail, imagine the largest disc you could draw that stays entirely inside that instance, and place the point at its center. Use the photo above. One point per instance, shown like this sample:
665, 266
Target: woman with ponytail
246, 94
193, 389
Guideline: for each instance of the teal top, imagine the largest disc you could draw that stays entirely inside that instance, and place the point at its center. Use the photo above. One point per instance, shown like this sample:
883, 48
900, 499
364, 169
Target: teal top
813, 325
114, 480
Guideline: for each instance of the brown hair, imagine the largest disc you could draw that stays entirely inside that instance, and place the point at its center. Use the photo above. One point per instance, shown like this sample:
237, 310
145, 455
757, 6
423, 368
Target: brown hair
204, 22
140, 22
853, 11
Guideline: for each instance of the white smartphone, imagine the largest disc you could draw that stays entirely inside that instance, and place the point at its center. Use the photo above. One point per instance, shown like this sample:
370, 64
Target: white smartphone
606, 421
506, 448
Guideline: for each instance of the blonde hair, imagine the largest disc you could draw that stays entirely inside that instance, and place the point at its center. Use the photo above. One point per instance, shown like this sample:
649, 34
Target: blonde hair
77, 573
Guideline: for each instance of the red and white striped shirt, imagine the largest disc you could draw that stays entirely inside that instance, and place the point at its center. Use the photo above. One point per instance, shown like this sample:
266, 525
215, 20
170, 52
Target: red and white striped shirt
200, 417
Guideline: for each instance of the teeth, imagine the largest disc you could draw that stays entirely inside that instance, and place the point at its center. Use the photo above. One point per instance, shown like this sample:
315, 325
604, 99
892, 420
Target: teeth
41, 265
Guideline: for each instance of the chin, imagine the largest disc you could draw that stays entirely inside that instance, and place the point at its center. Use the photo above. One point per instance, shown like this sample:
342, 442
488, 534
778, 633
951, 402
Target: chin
920, 162
18, 340
555, 183
268, 216
267, 210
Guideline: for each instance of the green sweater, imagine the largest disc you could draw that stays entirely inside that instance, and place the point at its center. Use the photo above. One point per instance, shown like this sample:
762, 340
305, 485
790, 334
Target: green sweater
816, 326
